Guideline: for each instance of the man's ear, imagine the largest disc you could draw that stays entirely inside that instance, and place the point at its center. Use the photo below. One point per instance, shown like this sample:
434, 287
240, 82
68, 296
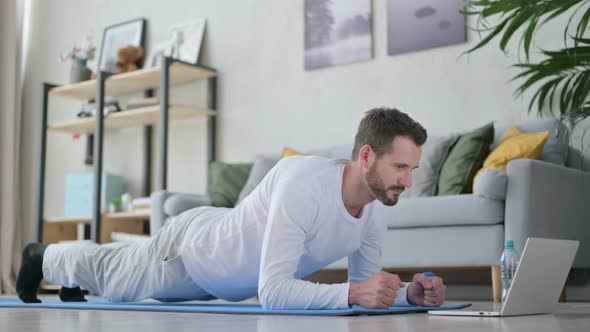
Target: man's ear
366, 156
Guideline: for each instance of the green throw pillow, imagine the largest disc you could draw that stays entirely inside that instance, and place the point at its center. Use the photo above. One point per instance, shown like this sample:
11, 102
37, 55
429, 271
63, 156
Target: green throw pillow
226, 181
464, 160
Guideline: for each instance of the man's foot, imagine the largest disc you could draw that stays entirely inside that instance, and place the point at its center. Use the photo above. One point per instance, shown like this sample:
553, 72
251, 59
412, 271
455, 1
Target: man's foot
30, 273
71, 294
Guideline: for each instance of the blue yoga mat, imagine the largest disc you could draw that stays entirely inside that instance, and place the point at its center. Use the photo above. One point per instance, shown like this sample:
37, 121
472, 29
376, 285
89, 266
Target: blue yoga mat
215, 307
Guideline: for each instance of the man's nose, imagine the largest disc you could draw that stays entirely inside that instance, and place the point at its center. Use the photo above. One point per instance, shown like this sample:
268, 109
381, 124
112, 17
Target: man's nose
406, 180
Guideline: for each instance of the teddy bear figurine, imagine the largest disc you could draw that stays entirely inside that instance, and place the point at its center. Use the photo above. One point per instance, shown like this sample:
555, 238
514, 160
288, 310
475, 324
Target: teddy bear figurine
127, 58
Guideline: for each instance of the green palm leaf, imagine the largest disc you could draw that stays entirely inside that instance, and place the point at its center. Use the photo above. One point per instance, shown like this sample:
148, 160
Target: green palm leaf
562, 78
567, 70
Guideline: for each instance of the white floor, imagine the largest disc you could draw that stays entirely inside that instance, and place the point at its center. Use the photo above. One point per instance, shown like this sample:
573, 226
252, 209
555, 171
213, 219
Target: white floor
569, 317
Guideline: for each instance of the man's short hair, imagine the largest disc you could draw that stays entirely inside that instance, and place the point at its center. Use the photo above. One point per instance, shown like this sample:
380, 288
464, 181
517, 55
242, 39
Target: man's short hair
381, 126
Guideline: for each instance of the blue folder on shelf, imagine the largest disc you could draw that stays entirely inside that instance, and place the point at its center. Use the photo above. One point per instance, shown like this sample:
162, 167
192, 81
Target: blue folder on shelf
215, 307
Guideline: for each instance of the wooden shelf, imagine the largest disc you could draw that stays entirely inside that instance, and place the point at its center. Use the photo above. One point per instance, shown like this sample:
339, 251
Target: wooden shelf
68, 228
134, 81
139, 81
130, 118
142, 214
69, 220
129, 215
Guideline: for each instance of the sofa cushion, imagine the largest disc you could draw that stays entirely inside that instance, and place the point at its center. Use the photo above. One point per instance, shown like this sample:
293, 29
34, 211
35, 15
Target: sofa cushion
557, 146
491, 183
451, 210
464, 160
425, 178
439, 247
226, 182
262, 165
289, 152
342, 151
514, 145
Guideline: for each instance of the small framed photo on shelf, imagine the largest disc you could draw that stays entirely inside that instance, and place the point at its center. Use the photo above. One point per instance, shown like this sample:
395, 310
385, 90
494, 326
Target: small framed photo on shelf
186, 40
117, 36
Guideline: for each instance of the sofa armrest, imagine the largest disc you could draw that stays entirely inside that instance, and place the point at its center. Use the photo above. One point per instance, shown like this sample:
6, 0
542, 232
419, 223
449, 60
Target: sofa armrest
167, 204
550, 201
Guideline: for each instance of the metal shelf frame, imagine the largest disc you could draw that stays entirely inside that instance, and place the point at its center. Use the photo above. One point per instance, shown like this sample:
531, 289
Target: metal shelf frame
102, 82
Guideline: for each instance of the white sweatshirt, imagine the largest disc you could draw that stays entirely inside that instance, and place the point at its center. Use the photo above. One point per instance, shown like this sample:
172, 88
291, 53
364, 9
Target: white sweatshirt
292, 224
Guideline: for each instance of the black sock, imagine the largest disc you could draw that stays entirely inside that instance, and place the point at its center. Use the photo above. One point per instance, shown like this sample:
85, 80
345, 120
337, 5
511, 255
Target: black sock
71, 294
30, 273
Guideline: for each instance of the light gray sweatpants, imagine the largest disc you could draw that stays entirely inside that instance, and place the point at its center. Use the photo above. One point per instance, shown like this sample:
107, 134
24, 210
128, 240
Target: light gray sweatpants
126, 272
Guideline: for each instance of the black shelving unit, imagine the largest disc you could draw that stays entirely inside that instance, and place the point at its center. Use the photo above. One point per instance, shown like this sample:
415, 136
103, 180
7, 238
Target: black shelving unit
163, 132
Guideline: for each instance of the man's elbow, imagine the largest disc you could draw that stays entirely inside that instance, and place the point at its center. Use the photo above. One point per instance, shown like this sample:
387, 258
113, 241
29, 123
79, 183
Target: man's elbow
267, 298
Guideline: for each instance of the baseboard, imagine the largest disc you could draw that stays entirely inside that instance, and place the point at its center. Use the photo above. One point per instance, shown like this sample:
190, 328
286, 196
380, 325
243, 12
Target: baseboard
467, 284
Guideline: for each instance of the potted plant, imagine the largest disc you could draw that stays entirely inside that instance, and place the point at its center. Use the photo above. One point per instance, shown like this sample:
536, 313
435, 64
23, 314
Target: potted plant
80, 56
561, 79
115, 205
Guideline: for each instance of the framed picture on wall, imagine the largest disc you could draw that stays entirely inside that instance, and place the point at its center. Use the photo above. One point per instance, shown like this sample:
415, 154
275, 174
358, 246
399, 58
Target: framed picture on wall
420, 24
337, 32
117, 36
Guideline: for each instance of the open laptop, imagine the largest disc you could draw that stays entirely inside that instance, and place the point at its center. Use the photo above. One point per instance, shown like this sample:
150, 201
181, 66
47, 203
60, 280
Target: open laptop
537, 284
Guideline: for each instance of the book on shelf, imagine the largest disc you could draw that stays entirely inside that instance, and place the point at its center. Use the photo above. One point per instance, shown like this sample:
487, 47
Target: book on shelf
145, 100
142, 210
142, 102
141, 204
141, 201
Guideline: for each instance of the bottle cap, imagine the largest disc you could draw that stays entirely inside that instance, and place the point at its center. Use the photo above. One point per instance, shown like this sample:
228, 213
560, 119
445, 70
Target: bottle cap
509, 244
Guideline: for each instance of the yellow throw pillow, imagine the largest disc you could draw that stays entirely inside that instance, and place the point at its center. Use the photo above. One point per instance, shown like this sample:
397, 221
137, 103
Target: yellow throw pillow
514, 145
288, 152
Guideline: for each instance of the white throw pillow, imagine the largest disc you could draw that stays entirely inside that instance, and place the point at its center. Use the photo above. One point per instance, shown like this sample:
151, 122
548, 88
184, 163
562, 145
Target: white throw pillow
262, 165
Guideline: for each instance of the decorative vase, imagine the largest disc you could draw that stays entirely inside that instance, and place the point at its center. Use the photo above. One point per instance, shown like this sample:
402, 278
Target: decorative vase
79, 72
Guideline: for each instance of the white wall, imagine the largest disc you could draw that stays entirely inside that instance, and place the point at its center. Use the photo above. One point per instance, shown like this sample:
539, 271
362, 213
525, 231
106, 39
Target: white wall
266, 100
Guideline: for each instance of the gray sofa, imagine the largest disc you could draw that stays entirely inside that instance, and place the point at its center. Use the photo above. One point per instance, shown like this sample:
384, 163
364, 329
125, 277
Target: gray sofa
539, 199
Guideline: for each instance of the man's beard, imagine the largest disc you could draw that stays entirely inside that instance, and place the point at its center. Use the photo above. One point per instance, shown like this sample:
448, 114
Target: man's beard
378, 188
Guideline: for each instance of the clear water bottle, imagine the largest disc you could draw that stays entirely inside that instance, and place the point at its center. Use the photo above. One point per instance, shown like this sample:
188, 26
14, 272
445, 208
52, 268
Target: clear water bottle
509, 264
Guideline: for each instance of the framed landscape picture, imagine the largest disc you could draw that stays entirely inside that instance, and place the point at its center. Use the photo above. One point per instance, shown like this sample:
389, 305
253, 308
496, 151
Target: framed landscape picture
337, 32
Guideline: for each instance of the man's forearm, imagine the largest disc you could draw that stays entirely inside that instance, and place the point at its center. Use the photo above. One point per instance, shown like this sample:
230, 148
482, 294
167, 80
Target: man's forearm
353, 291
